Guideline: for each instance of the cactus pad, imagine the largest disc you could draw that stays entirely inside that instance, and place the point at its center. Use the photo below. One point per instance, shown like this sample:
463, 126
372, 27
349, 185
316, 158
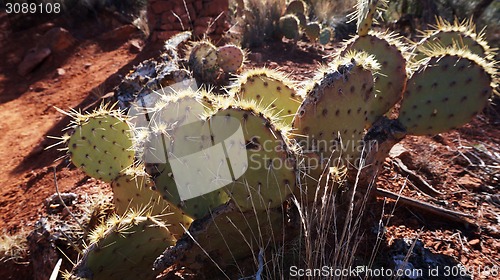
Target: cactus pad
176, 133
312, 31
101, 144
325, 36
289, 26
390, 80
446, 92
365, 12
270, 89
203, 60
339, 97
459, 34
124, 248
132, 191
296, 7
228, 236
258, 157
230, 58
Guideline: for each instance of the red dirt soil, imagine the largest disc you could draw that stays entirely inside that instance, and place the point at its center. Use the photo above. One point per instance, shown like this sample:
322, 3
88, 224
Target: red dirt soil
93, 66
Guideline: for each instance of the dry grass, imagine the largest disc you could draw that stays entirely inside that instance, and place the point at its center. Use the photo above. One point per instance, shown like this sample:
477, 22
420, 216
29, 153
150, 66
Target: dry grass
13, 247
326, 10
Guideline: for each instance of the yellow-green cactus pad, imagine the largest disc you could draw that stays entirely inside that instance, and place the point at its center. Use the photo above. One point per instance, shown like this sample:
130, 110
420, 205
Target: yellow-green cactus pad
390, 79
262, 172
101, 144
132, 190
203, 60
124, 248
457, 34
365, 12
446, 92
269, 89
338, 98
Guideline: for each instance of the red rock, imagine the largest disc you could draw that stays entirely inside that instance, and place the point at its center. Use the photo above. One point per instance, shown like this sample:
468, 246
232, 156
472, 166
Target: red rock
469, 182
215, 8
57, 39
164, 35
159, 7
32, 59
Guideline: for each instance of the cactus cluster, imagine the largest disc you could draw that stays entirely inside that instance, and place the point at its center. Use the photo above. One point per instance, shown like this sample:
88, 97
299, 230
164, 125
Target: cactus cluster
224, 167
295, 22
206, 60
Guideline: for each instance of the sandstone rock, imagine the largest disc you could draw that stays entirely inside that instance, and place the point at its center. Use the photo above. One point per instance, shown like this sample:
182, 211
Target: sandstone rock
32, 59
135, 46
120, 33
469, 182
57, 39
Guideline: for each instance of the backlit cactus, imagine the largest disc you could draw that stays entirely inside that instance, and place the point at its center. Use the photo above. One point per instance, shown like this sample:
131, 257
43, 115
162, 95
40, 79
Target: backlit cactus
124, 248
230, 58
101, 144
446, 92
312, 31
289, 27
203, 61
269, 89
390, 79
325, 36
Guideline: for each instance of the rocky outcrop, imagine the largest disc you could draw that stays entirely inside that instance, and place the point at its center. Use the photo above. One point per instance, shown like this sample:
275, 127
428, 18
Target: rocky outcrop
168, 17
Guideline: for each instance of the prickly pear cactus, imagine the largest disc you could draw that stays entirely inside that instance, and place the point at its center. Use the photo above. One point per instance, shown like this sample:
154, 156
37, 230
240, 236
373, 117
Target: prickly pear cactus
325, 36
365, 12
269, 89
132, 190
259, 156
391, 78
124, 248
230, 58
227, 236
459, 34
203, 61
446, 92
296, 7
176, 132
101, 143
289, 26
338, 97
312, 31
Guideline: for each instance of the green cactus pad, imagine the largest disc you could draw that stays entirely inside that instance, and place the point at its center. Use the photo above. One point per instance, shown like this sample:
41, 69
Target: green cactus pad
101, 144
458, 34
325, 36
230, 58
133, 191
296, 7
269, 89
203, 60
261, 167
365, 11
312, 31
289, 26
446, 92
124, 248
339, 97
176, 133
390, 80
